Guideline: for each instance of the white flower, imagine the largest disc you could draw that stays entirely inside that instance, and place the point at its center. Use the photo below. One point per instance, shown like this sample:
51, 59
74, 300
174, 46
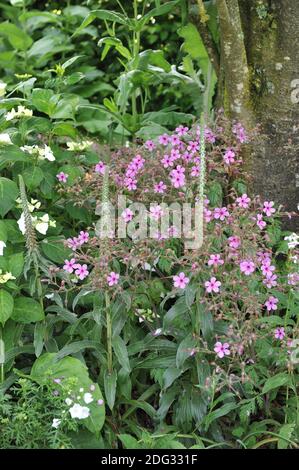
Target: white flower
21, 112
2, 246
68, 401
21, 223
76, 146
47, 154
41, 224
5, 139
293, 240
78, 411
56, 423
2, 88
5, 277
87, 398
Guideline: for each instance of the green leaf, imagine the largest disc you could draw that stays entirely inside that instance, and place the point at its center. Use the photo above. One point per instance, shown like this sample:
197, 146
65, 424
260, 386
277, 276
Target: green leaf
44, 100
184, 350
161, 10
55, 250
224, 410
285, 432
12, 154
16, 264
33, 176
6, 306
129, 442
278, 380
110, 380
27, 310
8, 194
103, 15
121, 353
64, 129
16, 36
3, 231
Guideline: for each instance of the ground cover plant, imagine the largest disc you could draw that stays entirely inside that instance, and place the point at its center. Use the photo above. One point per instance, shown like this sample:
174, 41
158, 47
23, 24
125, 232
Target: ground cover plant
148, 297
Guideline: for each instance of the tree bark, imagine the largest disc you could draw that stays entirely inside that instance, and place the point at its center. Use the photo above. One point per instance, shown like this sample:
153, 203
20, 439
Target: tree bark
258, 60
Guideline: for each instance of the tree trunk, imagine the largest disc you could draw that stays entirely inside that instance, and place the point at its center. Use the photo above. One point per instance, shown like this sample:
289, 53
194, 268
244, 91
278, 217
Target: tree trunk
259, 54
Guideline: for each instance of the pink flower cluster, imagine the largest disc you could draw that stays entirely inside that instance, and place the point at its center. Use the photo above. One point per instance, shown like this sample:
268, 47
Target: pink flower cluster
133, 168
71, 266
75, 242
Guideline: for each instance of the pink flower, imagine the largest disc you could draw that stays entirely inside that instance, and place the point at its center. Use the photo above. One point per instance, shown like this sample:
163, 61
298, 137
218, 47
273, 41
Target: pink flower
100, 168
167, 161
221, 349
270, 281
181, 280
240, 133
207, 215
73, 243
164, 139
267, 268
234, 242
81, 271
215, 260
83, 237
181, 130
150, 145
127, 215
193, 146
112, 278
69, 265
174, 140
156, 212
160, 187
220, 213
260, 222
279, 333
62, 177
263, 257
210, 136
175, 154
243, 201
268, 208
195, 171
212, 285
293, 279
178, 177
271, 303
247, 267
229, 157
131, 183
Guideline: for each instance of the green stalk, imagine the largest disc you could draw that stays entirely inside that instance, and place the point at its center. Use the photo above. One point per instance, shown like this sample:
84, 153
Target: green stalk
2, 357
109, 333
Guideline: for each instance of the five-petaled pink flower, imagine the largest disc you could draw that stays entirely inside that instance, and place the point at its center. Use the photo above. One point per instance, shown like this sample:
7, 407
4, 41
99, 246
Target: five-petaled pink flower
229, 157
127, 215
112, 278
260, 222
279, 333
62, 177
215, 260
270, 281
221, 349
243, 201
181, 280
268, 208
220, 213
212, 285
69, 265
81, 271
271, 303
247, 267
160, 187
100, 168
150, 145
164, 139
234, 242
83, 237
